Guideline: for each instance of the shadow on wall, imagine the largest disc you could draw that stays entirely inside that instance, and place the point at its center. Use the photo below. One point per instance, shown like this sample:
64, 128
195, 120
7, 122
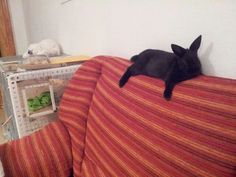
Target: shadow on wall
207, 67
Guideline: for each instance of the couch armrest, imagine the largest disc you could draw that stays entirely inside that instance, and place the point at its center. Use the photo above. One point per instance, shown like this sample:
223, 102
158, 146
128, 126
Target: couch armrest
46, 152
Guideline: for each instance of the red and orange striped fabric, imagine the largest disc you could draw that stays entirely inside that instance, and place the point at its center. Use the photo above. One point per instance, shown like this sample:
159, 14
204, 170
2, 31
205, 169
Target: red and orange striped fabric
74, 108
132, 131
46, 153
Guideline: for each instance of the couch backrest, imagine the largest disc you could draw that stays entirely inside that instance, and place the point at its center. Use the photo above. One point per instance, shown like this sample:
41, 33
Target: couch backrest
134, 131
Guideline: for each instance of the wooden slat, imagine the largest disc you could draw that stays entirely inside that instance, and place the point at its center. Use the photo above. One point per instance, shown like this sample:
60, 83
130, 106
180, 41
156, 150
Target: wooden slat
7, 47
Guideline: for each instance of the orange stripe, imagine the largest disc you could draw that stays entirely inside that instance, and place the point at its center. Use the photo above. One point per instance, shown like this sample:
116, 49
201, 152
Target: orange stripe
85, 169
73, 123
82, 76
80, 88
35, 161
100, 172
148, 143
24, 158
73, 110
76, 156
128, 149
227, 108
226, 157
110, 152
13, 164
54, 153
173, 114
74, 138
91, 68
40, 155
231, 88
70, 96
223, 88
103, 161
214, 105
63, 143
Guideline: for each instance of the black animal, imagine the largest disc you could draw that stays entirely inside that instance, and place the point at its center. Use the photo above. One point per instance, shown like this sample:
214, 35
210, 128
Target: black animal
172, 68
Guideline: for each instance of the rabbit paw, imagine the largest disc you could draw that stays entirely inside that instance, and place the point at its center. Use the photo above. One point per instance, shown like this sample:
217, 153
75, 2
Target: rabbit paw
167, 95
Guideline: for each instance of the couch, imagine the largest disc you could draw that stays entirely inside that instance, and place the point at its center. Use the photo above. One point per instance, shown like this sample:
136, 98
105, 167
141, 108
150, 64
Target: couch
106, 131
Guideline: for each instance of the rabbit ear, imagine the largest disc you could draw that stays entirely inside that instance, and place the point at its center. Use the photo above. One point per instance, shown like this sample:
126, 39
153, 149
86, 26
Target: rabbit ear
196, 43
179, 51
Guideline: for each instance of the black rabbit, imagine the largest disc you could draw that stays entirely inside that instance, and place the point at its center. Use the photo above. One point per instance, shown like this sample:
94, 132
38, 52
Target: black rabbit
172, 68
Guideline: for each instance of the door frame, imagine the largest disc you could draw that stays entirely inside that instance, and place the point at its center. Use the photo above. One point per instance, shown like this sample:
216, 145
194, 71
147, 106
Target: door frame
7, 45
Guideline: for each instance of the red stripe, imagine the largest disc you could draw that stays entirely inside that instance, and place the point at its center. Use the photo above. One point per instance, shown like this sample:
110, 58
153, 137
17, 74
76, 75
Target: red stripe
109, 105
198, 115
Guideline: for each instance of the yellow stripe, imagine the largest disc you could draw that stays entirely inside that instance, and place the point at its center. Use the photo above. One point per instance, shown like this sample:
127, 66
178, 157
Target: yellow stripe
24, 158
73, 123
61, 139
100, 172
17, 159
110, 152
82, 76
40, 156
75, 139
103, 161
131, 151
70, 96
231, 88
77, 159
78, 87
213, 86
165, 131
175, 115
9, 157
90, 68
228, 108
145, 141
53, 152
73, 110
214, 105
86, 173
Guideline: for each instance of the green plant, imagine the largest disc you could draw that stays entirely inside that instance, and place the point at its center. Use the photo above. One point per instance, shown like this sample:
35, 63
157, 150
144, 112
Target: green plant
39, 102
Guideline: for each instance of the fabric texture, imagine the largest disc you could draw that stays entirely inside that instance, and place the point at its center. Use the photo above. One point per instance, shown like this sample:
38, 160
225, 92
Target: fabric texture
46, 153
134, 131
107, 131
74, 108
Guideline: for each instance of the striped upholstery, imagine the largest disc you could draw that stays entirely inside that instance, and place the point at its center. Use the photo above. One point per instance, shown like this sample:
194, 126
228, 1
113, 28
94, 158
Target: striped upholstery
74, 108
46, 153
108, 131
133, 131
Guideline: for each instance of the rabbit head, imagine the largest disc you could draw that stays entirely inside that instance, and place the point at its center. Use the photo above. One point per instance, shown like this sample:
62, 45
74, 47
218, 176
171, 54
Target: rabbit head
188, 57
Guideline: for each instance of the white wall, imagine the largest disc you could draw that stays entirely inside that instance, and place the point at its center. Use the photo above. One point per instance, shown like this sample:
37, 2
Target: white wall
18, 25
126, 27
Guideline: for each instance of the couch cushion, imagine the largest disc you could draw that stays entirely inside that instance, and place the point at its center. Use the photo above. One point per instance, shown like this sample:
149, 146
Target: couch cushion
74, 108
44, 153
134, 131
